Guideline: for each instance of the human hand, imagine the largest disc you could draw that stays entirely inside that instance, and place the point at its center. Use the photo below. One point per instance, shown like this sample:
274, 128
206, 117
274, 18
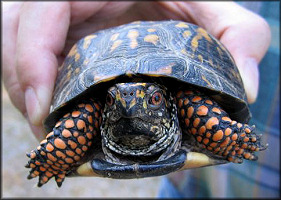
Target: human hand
38, 35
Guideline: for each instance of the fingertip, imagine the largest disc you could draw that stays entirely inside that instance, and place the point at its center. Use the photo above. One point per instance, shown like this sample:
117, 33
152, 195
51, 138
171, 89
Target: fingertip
248, 69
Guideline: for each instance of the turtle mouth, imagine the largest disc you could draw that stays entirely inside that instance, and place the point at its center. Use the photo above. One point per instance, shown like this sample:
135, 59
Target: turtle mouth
139, 141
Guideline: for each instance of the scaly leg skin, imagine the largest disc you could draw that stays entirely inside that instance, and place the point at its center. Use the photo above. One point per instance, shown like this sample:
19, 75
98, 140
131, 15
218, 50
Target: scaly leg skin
71, 137
214, 130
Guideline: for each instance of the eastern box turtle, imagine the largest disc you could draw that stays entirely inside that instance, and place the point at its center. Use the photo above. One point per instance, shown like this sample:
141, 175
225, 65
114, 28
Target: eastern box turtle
145, 99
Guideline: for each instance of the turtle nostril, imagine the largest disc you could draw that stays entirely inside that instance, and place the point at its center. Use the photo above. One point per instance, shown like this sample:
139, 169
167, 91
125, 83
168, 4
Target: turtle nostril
124, 93
132, 93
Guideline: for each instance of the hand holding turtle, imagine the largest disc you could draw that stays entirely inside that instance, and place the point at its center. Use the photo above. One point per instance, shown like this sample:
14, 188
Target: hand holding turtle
37, 36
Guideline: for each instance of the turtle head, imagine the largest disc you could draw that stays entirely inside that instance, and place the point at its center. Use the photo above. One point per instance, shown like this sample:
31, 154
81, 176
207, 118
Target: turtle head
139, 119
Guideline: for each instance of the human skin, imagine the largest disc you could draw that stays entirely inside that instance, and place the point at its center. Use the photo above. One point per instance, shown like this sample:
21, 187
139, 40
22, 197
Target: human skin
38, 35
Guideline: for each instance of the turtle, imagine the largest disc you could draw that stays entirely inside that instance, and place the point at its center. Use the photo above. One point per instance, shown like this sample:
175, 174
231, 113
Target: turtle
145, 99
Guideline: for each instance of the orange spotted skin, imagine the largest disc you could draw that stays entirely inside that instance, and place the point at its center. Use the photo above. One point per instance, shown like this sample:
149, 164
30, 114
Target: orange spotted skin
211, 126
63, 147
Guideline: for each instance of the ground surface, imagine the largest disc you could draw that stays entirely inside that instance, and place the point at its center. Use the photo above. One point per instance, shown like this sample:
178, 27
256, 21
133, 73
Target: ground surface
17, 140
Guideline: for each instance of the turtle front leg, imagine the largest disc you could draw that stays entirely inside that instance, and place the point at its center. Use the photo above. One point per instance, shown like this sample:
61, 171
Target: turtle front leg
214, 130
66, 144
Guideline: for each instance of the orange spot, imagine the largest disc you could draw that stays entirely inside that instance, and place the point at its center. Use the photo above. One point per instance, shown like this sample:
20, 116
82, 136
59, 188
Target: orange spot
206, 141
239, 125
247, 130
209, 102
61, 162
48, 174
49, 162
202, 130
81, 139
186, 101
213, 144
254, 139
72, 144
190, 111
97, 106
196, 99
84, 148
49, 147
211, 122
208, 134
78, 151
59, 143
246, 139
229, 148
51, 157
180, 103
202, 110
243, 134
244, 146
182, 112
75, 134
69, 160
76, 158
31, 165
37, 162
217, 149
240, 151
186, 122
226, 119
225, 142
216, 110
65, 166
234, 136
247, 155
90, 119
60, 154
97, 124
89, 108
39, 147
70, 153
193, 131
76, 113
227, 131
91, 128
196, 122
233, 143
209, 148
42, 169
80, 124
199, 138
69, 123
89, 135
89, 143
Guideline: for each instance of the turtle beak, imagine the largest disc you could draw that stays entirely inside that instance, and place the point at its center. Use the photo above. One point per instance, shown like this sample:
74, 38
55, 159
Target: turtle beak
180, 161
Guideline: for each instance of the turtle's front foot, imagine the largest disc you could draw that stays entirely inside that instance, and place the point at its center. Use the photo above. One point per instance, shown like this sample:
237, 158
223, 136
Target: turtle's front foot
71, 137
244, 143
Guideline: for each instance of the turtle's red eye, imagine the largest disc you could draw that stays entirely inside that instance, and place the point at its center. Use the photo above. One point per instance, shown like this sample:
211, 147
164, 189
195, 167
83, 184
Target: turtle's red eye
109, 99
156, 99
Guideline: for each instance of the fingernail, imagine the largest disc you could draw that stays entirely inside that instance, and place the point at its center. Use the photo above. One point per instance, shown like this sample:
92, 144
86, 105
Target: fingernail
36, 103
250, 75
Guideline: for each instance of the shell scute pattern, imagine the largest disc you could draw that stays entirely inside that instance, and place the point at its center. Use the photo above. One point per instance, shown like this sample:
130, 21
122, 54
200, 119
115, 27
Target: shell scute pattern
128, 48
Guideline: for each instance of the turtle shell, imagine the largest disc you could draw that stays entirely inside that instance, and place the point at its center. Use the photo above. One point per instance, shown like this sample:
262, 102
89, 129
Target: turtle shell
176, 50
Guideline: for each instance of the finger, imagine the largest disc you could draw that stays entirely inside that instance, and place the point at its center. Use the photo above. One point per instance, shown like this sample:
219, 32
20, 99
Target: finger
42, 32
9, 32
245, 35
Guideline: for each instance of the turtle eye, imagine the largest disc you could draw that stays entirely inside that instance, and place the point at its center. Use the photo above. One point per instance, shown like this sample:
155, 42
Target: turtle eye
156, 99
109, 99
